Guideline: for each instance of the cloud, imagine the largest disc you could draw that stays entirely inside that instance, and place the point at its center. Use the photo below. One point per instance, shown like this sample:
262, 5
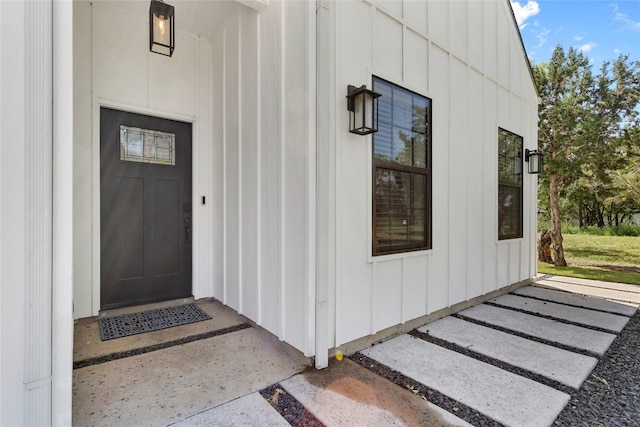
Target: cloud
587, 47
524, 11
577, 37
629, 23
542, 37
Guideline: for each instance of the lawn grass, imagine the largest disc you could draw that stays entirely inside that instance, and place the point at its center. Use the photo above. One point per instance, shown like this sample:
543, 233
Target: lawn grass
608, 258
590, 273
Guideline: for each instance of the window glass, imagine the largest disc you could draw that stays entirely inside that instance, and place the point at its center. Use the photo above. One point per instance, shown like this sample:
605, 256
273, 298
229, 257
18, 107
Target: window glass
147, 146
509, 185
401, 150
402, 126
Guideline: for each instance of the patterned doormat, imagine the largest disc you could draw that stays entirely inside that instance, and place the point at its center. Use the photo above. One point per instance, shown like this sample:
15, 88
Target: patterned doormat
147, 321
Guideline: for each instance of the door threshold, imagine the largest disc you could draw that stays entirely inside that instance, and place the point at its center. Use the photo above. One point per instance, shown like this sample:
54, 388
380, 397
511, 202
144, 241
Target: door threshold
144, 307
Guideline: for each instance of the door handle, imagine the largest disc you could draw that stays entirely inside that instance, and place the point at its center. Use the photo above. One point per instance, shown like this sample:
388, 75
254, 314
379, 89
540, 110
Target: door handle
187, 230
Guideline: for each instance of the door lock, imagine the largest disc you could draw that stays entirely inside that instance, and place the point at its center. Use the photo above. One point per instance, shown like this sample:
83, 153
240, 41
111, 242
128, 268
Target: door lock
187, 230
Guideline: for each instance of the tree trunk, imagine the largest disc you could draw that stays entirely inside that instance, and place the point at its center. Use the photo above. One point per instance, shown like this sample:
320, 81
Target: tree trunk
556, 231
544, 249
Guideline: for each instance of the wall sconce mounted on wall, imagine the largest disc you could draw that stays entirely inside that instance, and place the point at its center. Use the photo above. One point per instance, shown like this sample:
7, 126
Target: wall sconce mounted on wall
534, 158
362, 104
161, 28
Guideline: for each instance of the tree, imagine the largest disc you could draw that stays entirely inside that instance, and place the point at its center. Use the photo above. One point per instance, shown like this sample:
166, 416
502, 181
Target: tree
585, 123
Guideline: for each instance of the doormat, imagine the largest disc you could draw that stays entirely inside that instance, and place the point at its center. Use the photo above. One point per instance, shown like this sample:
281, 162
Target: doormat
148, 321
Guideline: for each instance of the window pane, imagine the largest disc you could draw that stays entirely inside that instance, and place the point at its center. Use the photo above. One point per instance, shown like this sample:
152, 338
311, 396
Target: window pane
509, 157
147, 146
509, 208
401, 147
402, 135
509, 185
400, 209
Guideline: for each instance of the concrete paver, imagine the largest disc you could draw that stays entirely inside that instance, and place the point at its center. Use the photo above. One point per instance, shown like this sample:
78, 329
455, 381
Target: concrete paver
625, 287
249, 410
563, 366
574, 336
347, 394
611, 322
576, 300
613, 294
507, 398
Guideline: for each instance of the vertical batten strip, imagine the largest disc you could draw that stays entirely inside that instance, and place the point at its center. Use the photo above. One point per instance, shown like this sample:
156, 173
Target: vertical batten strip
310, 188
282, 175
258, 165
241, 287
38, 240
225, 279
403, 287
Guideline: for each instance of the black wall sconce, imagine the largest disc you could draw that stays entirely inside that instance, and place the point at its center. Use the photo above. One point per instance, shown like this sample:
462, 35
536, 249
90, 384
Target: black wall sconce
161, 28
534, 158
362, 104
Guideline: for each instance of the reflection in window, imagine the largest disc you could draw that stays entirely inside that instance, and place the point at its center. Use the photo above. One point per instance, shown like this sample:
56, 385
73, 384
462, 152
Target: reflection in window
509, 185
147, 146
402, 170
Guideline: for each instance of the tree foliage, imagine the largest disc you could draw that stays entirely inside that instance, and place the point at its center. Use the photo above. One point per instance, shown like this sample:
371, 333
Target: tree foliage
588, 130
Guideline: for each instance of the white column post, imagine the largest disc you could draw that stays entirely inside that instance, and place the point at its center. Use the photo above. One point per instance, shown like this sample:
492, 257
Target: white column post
62, 322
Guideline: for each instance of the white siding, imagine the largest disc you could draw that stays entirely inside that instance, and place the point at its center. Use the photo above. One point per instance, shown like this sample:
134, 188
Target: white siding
247, 91
12, 214
265, 103
467, 57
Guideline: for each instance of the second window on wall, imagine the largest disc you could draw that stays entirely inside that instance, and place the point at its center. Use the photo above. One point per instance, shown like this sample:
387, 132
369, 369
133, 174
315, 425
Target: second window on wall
401, 171
509, 185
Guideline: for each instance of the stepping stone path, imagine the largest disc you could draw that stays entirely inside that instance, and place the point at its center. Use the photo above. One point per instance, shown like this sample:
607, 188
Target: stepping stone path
514, 360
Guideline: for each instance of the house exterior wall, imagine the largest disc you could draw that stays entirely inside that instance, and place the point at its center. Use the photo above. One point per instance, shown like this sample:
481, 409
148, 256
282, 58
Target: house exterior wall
247, 91
264, 134
113, 68
285, 211
467, 57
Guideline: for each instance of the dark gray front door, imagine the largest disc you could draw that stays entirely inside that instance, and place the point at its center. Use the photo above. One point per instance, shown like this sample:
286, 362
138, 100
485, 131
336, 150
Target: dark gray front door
145, 209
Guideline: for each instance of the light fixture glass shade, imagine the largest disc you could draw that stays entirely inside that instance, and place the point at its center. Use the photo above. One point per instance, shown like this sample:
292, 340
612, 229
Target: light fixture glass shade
534, 158
362, 104
161, 28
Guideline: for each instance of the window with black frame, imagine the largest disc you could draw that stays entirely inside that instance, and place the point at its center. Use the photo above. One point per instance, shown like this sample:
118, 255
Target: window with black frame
509, 185
401, 171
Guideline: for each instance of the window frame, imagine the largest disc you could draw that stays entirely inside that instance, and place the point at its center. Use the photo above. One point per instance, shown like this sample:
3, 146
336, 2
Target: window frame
425, 171
511, 186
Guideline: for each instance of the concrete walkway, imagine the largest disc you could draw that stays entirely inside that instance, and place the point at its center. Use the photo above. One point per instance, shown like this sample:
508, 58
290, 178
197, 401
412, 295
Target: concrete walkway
514, 360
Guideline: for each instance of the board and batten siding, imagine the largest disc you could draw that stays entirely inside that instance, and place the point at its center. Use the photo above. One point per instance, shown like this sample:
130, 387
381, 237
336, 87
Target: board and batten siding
467, 57
248, 91
264, 131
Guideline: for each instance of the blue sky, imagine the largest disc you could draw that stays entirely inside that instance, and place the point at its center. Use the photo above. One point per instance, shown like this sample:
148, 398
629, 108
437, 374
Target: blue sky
602, 29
